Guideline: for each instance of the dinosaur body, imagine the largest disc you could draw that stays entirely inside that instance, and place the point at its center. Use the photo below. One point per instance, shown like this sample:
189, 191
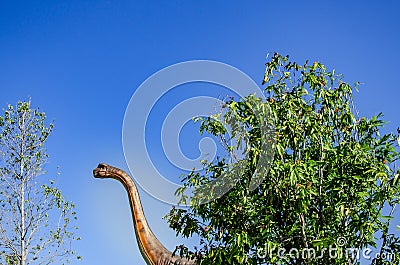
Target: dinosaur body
153, 252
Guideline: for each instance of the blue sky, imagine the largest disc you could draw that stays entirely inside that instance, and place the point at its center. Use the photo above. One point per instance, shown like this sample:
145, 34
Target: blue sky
81, 61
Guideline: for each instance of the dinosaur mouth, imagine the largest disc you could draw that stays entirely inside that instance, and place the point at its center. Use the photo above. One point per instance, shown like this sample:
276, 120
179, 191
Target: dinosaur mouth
101, 171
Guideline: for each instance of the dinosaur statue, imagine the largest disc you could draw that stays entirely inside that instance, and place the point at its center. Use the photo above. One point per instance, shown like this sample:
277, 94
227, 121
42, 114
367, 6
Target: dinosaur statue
153, 252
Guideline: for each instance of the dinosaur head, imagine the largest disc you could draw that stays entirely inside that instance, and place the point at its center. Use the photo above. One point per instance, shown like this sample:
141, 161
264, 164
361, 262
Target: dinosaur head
103, 171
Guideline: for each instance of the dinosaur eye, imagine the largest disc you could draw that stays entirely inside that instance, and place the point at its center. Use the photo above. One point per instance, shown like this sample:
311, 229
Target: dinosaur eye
102, 166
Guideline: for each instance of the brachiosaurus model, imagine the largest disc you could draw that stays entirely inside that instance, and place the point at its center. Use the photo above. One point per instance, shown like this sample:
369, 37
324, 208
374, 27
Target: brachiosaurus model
153, 252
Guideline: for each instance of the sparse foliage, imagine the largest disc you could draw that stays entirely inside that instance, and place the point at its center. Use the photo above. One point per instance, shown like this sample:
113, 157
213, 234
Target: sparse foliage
333, 177
35, 219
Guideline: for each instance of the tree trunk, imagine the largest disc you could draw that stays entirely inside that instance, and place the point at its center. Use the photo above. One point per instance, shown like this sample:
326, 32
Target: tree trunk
22, 191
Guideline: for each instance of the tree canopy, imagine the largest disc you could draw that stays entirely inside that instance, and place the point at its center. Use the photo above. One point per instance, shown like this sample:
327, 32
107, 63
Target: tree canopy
328, 194
36, 221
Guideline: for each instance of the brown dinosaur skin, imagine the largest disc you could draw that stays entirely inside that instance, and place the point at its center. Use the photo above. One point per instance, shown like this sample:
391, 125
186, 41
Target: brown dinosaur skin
153, 252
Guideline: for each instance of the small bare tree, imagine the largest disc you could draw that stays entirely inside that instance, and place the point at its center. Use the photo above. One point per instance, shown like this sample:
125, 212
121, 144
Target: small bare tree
35, 219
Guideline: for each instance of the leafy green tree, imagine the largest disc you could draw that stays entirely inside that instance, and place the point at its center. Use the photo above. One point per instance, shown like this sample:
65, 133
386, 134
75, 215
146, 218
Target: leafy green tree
330, 190
35, 218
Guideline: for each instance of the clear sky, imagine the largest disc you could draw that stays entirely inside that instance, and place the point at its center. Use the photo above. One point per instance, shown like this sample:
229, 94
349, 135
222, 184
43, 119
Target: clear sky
81, 61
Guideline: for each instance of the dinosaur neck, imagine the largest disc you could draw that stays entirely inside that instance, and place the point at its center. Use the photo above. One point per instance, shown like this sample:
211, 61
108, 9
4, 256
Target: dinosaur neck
150, 247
